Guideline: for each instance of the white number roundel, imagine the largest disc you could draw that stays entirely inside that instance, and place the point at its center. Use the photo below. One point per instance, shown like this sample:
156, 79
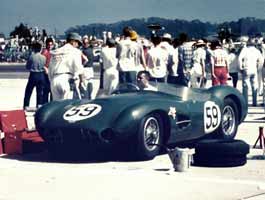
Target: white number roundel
212, 116
82, 112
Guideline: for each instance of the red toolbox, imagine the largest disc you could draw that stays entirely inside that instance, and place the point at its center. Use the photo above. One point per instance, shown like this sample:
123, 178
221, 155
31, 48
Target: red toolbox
17, 138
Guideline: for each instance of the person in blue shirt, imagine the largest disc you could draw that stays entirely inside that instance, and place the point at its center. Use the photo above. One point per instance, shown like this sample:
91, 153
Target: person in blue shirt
35, 64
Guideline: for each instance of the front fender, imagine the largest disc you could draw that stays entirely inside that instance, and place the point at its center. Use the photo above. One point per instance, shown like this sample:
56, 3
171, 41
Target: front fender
129, 119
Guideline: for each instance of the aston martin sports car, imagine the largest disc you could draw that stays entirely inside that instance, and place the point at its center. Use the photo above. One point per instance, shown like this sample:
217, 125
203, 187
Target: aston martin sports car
141, 121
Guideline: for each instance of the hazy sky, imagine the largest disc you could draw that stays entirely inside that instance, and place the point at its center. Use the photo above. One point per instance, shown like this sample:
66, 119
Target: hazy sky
61, 14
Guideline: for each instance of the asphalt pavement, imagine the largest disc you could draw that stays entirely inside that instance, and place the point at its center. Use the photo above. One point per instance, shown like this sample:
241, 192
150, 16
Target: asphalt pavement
37, 176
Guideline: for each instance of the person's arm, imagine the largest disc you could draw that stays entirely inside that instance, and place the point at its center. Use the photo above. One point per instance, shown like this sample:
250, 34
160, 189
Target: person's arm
212, 66
142, 58
84, 58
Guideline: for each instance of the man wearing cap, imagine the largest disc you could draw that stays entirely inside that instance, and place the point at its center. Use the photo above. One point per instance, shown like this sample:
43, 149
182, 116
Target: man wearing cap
198, 70
126, 55
166, 44
66, 64
140, 61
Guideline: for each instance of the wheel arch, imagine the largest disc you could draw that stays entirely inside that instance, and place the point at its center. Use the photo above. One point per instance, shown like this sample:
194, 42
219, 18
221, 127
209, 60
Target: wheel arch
166, 124
238, 104
223, 92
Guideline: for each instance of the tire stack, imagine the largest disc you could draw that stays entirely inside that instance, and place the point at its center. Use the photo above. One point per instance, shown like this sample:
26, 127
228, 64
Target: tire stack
220, 153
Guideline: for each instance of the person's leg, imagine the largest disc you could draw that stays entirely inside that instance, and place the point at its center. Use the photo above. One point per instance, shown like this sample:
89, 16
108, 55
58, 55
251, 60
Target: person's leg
161, 80
122, 78
40, 86
215, 80
28, 90
260, 81
46, 89
223, 76
172, 79
245, 85
254, 88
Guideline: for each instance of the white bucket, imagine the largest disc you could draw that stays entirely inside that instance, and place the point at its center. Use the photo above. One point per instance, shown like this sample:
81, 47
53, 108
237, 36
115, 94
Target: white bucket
180, 158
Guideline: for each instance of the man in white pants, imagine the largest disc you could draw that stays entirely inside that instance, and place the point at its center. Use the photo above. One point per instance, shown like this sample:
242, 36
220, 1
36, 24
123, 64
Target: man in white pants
250, 59
198, 70
110, 62
66, 64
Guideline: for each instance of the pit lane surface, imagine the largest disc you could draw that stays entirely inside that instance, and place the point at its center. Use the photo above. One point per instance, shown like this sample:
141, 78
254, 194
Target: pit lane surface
38, 176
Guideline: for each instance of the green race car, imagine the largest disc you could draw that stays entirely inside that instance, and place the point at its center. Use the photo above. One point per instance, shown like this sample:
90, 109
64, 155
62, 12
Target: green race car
142, 121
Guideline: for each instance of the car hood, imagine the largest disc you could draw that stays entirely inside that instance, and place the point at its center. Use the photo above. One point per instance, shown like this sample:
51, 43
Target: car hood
97, 114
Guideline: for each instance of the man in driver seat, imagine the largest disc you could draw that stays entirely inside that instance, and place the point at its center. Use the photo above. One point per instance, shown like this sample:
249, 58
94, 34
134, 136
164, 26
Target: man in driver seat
143, 81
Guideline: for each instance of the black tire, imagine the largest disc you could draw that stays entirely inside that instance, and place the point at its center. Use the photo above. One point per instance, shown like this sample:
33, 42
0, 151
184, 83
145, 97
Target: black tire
222, 147
220, 153
230, 120
218, 161
148, 144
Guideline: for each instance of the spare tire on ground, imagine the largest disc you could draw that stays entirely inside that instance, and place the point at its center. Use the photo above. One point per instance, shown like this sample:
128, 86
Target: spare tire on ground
220, 153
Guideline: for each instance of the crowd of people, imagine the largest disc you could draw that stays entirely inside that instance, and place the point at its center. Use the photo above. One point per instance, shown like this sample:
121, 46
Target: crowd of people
67, 71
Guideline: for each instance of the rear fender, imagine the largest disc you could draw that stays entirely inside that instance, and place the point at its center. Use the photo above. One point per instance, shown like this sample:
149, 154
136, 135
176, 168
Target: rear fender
222, 92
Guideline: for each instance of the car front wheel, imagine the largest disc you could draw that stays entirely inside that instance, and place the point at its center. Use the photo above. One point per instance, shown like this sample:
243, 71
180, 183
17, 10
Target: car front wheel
149, 137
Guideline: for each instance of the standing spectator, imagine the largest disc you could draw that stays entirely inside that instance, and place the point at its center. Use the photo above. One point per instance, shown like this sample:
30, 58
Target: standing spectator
173, 63
157, 60
198, 70
35, 64
87, 50
66, 64
261, 71
219, 61
109, 61
140, 61
185, 60
126, 54
233, 66
166, 44
46, 52
250, 59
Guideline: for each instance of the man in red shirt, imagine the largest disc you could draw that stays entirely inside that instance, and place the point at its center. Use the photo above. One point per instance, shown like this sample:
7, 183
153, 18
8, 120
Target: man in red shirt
46, 52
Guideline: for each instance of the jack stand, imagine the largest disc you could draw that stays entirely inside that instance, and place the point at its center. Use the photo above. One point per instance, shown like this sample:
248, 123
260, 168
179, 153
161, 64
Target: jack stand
260, 139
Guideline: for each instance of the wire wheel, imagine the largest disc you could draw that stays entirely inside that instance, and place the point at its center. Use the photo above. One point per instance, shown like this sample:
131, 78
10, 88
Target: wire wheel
228, 121
151, 133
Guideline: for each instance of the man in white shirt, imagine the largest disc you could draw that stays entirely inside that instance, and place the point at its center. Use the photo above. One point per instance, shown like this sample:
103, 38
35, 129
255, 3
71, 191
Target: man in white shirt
66, 64
126, 55
109, 61
157, 60
261, 70
172, 58
198, 70
250, 59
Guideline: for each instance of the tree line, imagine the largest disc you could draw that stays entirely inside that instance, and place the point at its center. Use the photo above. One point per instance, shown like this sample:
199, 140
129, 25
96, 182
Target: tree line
196, 29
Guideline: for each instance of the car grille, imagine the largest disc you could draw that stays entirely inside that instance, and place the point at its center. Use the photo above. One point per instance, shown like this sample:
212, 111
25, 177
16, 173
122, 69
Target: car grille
70, 136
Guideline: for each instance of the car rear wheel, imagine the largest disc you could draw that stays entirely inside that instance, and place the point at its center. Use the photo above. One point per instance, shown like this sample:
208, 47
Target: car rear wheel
149, 137
229, 122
